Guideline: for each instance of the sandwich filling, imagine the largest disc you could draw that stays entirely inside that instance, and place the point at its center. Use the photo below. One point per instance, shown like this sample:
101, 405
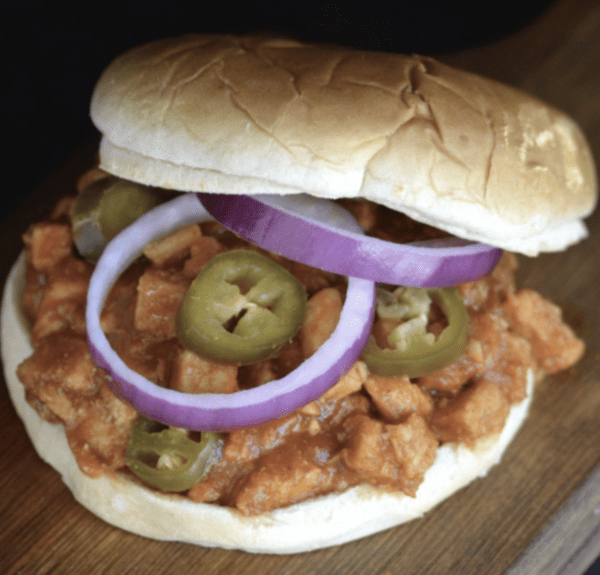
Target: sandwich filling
382, 430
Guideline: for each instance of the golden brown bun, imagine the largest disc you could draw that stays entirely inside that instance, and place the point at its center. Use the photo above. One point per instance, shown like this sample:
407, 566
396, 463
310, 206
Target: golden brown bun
449, 148
320, 522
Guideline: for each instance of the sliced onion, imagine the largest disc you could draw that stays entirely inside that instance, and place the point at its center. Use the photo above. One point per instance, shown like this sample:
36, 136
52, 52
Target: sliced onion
322, 234
218, 412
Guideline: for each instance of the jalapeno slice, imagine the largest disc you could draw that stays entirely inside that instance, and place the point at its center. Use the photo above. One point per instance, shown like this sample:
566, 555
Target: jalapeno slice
106, 207
241, 309
166, 458
423, 354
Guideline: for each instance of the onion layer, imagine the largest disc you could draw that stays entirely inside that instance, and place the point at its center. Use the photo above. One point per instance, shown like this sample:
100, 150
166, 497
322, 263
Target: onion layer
218, 412
322, 234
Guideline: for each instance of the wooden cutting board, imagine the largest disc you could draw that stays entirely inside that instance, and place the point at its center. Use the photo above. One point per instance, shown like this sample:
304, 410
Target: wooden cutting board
535, 513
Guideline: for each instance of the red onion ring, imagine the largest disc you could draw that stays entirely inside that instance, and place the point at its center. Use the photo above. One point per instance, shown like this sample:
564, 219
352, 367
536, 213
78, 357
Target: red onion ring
218, 412
322, 234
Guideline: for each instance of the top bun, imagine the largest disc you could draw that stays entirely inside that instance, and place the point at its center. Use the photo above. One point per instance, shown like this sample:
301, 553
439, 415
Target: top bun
481, 160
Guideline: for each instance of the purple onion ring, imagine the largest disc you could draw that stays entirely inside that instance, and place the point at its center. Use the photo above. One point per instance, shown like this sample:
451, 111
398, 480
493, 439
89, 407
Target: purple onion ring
218, 412
316, 232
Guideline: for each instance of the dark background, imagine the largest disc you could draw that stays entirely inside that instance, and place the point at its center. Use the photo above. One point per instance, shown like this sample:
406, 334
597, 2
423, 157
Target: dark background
54, 51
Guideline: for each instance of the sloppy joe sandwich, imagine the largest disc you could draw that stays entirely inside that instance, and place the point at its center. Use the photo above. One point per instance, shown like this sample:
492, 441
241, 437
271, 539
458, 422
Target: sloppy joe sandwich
280, 313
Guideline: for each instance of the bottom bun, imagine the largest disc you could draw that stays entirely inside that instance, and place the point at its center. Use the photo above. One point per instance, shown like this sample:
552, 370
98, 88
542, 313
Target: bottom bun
320, 522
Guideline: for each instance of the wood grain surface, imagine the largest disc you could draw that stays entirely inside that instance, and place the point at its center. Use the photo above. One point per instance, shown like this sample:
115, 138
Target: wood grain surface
539, 512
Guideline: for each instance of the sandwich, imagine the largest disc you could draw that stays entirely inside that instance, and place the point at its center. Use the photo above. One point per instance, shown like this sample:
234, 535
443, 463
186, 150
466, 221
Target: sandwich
280, 314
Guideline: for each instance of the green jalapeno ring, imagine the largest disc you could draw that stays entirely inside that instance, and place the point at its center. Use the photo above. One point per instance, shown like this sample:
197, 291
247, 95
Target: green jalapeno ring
241, 309
106, 207
423, 358
150, 440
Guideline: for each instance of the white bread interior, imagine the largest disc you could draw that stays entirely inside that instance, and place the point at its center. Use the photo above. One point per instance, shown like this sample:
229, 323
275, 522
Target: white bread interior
479, 159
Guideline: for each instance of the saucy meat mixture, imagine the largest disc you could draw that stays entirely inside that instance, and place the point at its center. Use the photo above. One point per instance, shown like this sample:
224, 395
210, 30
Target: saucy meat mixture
383, 431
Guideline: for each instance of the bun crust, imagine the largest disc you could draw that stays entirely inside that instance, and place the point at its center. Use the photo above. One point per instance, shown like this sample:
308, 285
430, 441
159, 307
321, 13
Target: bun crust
318, 523
246, 115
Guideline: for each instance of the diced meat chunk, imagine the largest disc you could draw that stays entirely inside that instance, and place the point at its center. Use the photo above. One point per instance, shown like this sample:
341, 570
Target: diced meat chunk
201, 252
145, 354
312, 409
62, 306
159, 294
117, 314
382, 328
59, 370
173, 247
298, 479
396, 398
100, 439
452, 378
193, 374
312, 279
350, 382
210, 488
248, 443
66, 359
322, 316
336, 410
478, 411
482, 350
241, 445
475, 293
393, 453
34, 291
365, 448
491, 290
487, 329
510, 373
555, 346
256, 374
48, 243
415, 447
289, 358
503, 275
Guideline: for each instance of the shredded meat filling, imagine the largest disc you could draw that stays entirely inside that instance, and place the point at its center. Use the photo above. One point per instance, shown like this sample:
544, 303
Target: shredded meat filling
382, 431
